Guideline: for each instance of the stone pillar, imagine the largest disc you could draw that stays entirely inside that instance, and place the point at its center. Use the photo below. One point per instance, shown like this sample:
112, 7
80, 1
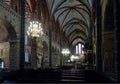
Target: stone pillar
40, 52
14, 55
117, 38
99, 36
39, 61
55, 58
22, 35
34, 57
60, 52
63, 60
50, 44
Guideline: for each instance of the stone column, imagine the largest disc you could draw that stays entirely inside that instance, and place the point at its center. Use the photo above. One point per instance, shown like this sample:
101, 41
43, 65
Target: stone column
99, 36
50, 43
117, 38
34, 57
39, 61
40, 52
14, 55
60, 52
22, 35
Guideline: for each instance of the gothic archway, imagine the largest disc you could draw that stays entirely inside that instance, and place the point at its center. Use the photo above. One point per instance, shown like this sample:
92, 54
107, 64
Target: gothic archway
9, 43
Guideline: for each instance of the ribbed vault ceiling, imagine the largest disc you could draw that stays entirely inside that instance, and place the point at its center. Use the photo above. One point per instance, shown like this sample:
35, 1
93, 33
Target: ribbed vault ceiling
74, 17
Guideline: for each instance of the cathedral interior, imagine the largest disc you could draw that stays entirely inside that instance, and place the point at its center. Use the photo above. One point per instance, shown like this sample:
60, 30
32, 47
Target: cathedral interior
76, 41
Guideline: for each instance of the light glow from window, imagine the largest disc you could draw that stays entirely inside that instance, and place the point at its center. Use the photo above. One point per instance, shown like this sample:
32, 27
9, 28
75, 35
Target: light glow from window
79, 49
26, 56
76, 49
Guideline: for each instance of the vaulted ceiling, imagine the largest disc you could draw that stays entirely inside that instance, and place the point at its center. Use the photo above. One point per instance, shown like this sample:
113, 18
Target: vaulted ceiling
74, 17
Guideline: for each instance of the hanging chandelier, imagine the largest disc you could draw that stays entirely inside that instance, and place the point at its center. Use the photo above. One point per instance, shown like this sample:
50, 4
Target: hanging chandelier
35, 29
65, 51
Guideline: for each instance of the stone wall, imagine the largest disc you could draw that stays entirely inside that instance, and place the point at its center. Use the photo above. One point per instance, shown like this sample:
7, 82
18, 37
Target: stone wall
109, 54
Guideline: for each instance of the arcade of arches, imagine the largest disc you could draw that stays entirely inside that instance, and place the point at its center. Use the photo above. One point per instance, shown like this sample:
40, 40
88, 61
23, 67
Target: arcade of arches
93, 24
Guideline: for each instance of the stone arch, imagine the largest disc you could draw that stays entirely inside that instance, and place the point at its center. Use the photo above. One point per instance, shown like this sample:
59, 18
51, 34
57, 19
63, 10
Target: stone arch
10, 39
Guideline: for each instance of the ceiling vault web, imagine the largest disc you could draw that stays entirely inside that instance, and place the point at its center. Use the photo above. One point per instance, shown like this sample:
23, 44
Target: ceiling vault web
74, 17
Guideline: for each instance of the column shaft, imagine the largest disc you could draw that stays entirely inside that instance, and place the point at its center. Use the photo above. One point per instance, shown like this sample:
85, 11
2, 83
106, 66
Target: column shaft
99, 37
117, 38
22, 36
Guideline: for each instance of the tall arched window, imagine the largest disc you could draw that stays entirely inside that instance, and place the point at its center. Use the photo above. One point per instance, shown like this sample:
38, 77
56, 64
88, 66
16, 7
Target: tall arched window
79, 49
1, 63
26, 56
